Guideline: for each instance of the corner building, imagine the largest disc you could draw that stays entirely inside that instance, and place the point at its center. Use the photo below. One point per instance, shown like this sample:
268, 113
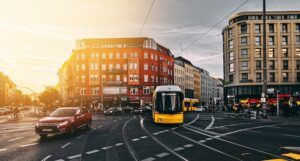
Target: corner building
243, 54
117, 71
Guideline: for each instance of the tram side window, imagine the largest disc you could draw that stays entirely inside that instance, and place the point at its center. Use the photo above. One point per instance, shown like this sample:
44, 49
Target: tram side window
187, 104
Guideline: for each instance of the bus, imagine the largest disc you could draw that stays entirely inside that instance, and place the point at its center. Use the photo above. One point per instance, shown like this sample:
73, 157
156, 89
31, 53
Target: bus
190, 104
167, 105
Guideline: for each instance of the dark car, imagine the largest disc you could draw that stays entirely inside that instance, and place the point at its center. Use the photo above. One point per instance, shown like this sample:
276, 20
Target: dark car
113, 111
64, 120
127, 110
142, 110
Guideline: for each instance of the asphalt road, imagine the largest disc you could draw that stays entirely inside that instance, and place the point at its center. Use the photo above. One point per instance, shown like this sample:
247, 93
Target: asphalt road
121, 138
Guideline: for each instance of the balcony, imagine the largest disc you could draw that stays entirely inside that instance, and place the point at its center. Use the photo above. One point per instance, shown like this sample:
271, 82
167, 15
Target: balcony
246, 81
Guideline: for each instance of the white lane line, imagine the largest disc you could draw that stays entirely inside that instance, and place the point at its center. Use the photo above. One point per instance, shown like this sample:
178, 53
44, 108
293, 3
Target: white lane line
60, 160
107, 147
149, 159
26, 145
178, 149
160, 143
206, 146
188, 145
296, 136
47, 157
15, 139
162, 155
128, 146
100, 126
254, 131
143, 137
78, 137
202, 141
196, 118
211, 123
233, 143
2, 150
245, 154
74, 156
174, 128
248, 123
92, 151
119, 144
136, 139
67, 144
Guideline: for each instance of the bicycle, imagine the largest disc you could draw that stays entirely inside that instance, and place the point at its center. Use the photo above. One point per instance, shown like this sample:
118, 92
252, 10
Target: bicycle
16, 116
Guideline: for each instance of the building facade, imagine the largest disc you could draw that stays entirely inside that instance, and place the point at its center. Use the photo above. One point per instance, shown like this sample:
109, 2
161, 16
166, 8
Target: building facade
188, 76
243, 52
7, 87
179, 75
116, 71
197, 83
206, 95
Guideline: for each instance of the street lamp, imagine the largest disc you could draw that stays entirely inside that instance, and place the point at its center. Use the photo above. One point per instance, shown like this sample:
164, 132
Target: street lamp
264, 86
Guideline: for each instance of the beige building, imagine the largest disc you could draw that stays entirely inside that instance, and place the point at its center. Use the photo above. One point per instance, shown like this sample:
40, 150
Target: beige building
179, 74
243, 54
188, 76
197, 82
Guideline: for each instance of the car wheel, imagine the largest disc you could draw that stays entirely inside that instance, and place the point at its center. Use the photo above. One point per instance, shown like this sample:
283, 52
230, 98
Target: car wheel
43, 136
89, 125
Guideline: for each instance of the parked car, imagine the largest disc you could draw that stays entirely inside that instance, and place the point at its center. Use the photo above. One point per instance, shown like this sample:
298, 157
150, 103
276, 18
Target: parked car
127, 110
200, 109
64, 120
142, 110
113, 111
3, 111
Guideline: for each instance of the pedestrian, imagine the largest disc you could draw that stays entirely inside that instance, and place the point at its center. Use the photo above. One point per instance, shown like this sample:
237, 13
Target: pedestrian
294, 109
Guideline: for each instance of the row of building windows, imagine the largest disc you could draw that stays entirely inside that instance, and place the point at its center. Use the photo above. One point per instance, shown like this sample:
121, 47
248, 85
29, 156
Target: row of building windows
258, 76
244, 65
258, 42
271, 53
244, 28
132, 78
133, 90
132, 66
118, 55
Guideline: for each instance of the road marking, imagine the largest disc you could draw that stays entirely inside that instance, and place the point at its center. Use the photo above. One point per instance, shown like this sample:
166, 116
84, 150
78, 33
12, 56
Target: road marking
143, 137
119, 144
230, 142
174, 128
148, 159
206, 146
26, 145
211, 123
107, 147
157, 141
162, 155
78, 137
254, 131
248, 123
196, 118
92, 151
2, 150
15, 139
136, 139
188, 145
296, 136
60, 160
47, 157
67, 144
245, 154
74, 156
100, 126
128, 146
178, 149
202, 141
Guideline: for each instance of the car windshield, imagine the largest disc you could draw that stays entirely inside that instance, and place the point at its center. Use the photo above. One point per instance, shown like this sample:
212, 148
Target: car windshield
63, 112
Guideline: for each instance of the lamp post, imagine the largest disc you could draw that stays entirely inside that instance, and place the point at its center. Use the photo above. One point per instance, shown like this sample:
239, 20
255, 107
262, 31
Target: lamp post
264, 86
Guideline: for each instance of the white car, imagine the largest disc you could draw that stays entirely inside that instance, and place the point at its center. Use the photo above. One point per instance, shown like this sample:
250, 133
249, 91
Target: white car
200, 109
3, 111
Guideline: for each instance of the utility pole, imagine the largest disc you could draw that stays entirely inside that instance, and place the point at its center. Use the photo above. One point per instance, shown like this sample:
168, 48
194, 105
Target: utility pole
264, 87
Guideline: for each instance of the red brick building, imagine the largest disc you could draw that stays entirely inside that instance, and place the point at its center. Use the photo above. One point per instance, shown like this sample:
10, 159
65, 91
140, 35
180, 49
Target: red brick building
117, 70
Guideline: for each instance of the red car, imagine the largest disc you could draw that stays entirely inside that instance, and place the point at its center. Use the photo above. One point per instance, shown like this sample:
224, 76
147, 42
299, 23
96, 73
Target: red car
64, 120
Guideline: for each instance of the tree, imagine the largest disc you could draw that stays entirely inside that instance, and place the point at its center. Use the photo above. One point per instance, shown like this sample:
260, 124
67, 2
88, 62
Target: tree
49, 96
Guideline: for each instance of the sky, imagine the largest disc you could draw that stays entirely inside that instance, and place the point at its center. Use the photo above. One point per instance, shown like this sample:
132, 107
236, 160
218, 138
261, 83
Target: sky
36, 36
